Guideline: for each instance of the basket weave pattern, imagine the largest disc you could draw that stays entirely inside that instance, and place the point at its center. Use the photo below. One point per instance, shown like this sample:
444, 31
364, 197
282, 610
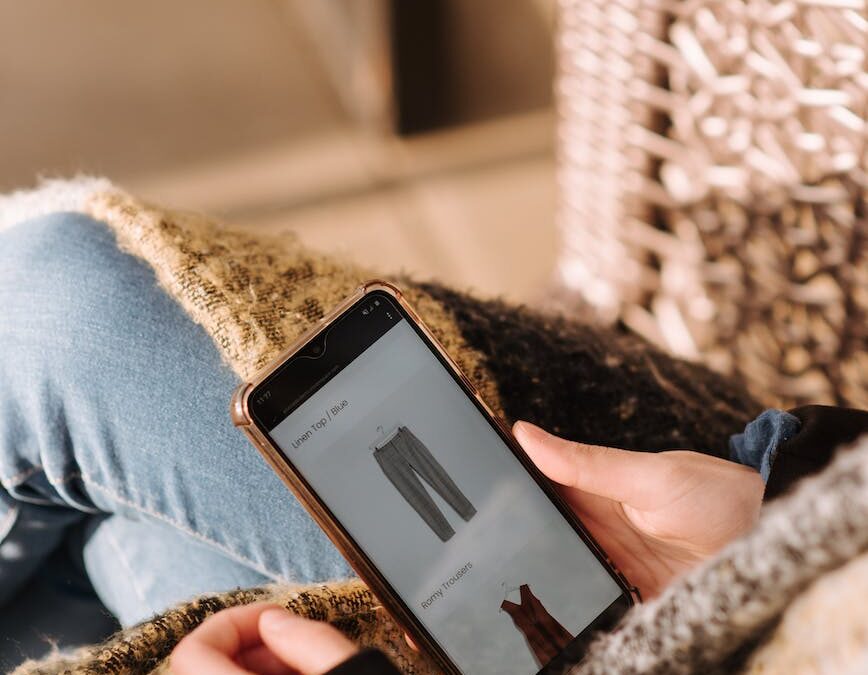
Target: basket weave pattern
714, 174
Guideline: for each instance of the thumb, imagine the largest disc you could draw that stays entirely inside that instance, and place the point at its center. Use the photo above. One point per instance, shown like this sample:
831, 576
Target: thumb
310, 647
633, 478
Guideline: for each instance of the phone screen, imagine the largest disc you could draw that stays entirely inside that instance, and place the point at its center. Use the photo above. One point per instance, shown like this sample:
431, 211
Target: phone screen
431, 493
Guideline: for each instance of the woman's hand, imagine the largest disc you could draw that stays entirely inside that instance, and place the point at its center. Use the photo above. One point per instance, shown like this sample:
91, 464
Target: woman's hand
263, 639
655, 514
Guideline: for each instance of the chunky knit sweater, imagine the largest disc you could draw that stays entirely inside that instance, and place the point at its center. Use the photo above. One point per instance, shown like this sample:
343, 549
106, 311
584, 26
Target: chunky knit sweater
749, 609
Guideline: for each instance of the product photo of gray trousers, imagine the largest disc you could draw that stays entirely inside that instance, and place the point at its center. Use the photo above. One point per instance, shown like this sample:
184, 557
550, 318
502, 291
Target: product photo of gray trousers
404, 458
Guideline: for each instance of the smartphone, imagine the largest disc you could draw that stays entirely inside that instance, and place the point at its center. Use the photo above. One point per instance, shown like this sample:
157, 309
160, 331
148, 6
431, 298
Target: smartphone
432, 501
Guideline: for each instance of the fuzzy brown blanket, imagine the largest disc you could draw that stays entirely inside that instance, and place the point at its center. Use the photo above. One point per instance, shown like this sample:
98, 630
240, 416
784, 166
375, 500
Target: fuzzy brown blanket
254, 293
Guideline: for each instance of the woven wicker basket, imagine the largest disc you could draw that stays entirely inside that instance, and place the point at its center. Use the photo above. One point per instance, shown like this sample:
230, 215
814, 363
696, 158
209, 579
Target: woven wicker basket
714, 181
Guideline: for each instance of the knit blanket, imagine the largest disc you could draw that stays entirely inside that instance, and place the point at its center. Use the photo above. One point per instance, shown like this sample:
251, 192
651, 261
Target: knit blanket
254, 292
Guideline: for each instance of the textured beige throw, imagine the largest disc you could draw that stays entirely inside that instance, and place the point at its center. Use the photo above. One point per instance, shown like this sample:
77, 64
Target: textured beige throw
255, 293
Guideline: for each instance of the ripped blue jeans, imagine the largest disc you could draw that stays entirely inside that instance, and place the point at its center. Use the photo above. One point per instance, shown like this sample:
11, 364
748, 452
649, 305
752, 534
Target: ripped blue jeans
114, 417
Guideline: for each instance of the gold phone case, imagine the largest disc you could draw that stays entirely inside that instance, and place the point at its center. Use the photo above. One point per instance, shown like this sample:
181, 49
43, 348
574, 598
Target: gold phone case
364, 568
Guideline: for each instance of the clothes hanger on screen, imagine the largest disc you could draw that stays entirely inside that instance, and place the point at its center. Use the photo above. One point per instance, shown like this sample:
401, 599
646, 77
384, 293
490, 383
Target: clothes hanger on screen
506, 591
383, 437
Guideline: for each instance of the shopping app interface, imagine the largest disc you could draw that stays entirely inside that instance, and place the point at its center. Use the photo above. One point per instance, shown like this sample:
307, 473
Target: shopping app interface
438, 502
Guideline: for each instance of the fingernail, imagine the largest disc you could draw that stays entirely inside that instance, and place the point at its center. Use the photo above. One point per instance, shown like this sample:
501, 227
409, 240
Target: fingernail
530, 431
276, 620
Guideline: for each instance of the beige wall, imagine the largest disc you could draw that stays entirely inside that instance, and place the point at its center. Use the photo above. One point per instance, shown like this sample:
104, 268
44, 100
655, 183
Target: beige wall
226, 106
132, 88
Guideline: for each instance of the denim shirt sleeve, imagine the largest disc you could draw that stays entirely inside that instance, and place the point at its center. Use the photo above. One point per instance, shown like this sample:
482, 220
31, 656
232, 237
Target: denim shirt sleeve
758, 445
